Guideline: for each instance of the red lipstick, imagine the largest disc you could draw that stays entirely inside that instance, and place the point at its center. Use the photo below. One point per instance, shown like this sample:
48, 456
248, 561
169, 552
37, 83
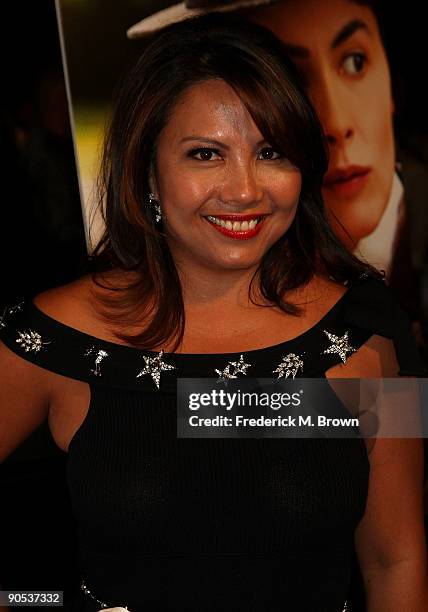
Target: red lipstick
238, 235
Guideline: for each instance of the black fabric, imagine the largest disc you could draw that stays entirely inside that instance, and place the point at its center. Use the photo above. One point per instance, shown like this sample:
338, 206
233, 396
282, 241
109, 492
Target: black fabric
214, 524
372, 306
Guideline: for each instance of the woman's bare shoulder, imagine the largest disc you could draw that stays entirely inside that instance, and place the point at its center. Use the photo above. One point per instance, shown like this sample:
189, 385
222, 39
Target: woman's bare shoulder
67, 304
319, 295
73, 304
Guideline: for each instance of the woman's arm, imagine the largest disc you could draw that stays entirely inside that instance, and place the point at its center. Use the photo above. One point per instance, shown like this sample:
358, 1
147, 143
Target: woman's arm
24, 399
390, 539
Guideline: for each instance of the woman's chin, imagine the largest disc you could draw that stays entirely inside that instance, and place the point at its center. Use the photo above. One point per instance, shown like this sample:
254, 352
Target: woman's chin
230, 264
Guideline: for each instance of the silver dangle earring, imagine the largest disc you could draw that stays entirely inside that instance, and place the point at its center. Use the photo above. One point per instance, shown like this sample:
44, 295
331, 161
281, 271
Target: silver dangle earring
156, 209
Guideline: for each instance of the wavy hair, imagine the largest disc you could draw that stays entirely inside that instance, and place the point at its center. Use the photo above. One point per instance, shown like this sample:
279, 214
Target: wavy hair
252, 61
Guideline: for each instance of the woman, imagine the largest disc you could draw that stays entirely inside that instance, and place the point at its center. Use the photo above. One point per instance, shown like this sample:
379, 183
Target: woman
217, 259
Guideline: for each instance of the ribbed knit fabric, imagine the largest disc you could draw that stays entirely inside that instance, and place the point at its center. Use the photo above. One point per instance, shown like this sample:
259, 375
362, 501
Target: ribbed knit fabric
211, 524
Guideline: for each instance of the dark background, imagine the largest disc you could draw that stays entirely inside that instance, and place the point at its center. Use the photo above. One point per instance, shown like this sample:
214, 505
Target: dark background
42, 244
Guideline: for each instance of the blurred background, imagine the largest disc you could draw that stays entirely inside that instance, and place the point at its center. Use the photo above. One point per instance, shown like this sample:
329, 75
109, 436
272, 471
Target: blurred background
42, 244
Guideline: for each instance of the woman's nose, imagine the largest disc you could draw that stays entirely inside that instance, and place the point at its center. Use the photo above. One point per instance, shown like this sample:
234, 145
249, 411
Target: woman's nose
242, 185
334, 107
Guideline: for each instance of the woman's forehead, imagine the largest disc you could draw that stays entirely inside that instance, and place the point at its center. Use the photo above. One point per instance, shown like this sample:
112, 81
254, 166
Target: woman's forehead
211, 109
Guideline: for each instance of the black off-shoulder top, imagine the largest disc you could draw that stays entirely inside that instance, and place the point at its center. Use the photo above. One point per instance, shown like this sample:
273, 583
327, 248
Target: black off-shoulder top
167, 523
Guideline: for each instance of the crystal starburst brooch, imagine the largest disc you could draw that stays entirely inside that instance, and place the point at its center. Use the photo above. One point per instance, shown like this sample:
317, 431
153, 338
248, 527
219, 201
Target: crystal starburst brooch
289, 366
100, 354
154, 367
30, 341
339, 345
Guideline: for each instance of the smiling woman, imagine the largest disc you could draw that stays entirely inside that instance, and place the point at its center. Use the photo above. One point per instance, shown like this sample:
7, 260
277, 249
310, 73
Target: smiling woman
227, 181
204, 138
343, 63
218, 262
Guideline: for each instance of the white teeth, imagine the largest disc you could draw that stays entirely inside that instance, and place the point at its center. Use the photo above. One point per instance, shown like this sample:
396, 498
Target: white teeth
236, 226
214, 220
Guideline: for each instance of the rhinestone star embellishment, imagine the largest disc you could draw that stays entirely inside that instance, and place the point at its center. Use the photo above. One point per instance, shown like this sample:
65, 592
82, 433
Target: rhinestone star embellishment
154, 367
239, 367
289, 366
30, 341
339, 345
100, 354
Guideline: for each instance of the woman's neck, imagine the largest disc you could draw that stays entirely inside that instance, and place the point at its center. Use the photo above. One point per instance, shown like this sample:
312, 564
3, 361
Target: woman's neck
219, 288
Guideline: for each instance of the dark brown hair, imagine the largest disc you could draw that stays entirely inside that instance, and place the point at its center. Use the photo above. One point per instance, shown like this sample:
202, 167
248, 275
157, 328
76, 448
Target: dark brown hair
253, 62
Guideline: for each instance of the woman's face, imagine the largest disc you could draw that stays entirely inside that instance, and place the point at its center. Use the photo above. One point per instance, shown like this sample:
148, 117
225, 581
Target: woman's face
226, 194
337, 46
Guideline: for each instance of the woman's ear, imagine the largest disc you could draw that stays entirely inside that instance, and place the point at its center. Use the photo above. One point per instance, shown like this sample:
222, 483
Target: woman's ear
153, 182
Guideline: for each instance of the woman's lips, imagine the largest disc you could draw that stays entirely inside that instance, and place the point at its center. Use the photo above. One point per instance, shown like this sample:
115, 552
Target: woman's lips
347, 182
237, 234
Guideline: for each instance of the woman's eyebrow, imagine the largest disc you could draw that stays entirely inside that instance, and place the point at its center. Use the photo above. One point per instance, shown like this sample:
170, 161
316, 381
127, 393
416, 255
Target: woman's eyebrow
217, 143
344, 33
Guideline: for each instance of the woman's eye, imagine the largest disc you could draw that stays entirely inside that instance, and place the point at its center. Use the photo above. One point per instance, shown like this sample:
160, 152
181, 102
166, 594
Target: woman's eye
203, 154
269, 153
354, 63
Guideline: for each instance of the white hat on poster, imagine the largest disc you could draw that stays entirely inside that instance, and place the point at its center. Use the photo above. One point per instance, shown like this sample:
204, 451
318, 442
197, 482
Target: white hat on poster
185, 10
